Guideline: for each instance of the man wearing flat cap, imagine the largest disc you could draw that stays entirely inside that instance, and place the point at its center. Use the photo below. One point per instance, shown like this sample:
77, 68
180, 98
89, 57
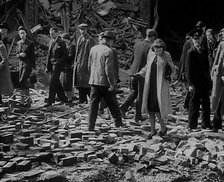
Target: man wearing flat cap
198, 80
103, 80
139, 57
80, 72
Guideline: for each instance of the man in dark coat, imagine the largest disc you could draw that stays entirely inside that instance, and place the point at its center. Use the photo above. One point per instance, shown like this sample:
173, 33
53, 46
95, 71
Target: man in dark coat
198, 80
56, 56
66, 77
141, 50
25, 53
81, 74
103, 80
4, 32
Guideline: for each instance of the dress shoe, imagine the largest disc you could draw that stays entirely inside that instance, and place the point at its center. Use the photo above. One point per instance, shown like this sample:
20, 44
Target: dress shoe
206, 127
163, 133
152, 134
215, 130
48, 104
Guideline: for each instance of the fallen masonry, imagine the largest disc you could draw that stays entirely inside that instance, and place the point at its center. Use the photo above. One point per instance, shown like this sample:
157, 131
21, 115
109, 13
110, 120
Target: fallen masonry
48, 147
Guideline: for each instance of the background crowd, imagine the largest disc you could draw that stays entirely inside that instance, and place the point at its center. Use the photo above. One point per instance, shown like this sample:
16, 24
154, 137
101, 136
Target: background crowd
92, 67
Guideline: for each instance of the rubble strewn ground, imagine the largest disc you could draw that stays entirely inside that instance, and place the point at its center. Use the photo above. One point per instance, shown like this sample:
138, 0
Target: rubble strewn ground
54, 145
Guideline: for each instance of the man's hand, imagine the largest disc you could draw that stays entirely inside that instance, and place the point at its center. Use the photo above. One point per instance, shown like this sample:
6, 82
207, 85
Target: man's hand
137, 75
191, 89
112, 88
47, 71
22, 54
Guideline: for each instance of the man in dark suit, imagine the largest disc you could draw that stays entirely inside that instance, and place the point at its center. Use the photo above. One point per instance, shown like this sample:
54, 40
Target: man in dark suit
57, 54
81, 74
198, 80
141, 50
25, 53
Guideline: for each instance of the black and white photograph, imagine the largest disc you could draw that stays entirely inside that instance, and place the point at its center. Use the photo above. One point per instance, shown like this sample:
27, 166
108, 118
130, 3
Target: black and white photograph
111, 91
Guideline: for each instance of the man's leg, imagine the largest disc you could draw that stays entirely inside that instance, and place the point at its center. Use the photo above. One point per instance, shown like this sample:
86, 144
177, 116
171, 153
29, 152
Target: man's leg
193, 110
55, 86
111, 101
95, 97
131, 97
83, 92
138, 114
205, 109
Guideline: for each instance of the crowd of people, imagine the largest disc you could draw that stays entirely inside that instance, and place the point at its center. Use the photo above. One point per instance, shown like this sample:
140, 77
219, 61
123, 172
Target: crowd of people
92, 67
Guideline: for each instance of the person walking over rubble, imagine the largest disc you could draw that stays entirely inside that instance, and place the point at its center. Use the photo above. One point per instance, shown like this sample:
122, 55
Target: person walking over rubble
6, 86
25, 53
56, 57
217, 96
140, 53
80, 72
198, 80
66, 75
103, 80
156, 96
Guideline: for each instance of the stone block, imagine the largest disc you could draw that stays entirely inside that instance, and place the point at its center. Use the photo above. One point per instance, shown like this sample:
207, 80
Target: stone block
113, 158
2, 163
78, 146
9, 167
6, 148
76, 134
75, 140
68, 161
24, 165
191, 152
91, 157
22, 146
44, 157
25, 132
6, 138
27, 140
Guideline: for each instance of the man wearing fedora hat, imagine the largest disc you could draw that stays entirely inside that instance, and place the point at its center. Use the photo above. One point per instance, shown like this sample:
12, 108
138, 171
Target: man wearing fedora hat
140, 53
198, 80
103, 80
80, 71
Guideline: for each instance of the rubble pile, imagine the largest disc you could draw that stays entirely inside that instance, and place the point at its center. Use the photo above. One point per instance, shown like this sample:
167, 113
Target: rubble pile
54, 145
122, 17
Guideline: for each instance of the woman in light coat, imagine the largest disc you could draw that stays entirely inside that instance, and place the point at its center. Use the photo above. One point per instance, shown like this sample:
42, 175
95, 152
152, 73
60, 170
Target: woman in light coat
217, 97
6, 86
156, 96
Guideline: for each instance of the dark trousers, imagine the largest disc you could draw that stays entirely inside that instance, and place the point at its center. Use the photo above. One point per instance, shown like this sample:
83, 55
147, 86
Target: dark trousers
200, 96
96, 94
217, 120
55, 86
137, 86
83, 93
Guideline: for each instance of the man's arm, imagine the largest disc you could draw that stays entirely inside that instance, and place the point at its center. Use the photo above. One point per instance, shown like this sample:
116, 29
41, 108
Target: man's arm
109, 69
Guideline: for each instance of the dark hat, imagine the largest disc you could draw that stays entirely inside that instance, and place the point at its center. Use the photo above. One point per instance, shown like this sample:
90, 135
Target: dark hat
200, 24
83, 25
109, 34
65, 36
21, 28
4, 25
159, 43
196, 32
151, 32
